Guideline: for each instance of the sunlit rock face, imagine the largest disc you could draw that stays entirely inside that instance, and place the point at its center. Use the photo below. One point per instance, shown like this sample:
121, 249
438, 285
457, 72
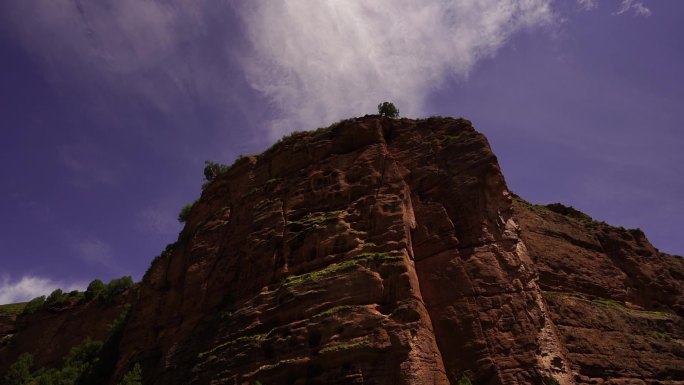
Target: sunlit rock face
390, 251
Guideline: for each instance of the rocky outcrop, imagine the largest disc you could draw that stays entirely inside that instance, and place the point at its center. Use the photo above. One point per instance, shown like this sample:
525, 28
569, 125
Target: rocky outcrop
616, 301
50, 332
384, 251
376, 251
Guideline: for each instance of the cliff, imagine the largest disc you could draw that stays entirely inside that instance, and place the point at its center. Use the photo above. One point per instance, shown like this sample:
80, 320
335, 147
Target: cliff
384, 251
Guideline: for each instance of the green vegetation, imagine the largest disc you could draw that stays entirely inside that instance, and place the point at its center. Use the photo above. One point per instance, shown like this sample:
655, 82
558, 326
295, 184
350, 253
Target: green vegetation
550, 380
314, 221
213, 170
361, 259
464, 380
563, 294
332, 311
168, 250
133, 377
90, 362
241, 341
120, 321
539, 209
77, 365
388, 109
252, 191
341, 347
116, 287
20, 371
184, 213
58, 299
606, 303
33, 305
660, 336
456, 138
13, 308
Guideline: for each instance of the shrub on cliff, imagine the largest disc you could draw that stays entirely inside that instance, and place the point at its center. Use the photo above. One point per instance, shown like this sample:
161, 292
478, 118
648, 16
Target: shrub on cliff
133, 377
33, 305
388, 109
212, 170
95, 289
117, 286
20, 371
464, 380
184, 214
56, 298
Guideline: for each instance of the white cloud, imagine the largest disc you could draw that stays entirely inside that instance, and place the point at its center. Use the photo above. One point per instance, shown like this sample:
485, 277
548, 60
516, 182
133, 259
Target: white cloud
635, 6
320, 61
29, 287
587, 4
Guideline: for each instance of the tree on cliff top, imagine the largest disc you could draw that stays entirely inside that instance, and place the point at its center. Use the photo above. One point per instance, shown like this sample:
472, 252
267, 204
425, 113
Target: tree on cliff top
388, 109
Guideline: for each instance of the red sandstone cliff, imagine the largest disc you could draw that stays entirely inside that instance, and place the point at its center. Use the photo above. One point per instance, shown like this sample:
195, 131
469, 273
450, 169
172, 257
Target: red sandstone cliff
382, 251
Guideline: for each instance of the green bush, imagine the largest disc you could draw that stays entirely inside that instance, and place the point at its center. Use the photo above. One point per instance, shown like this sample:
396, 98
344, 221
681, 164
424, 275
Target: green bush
33, 305
133, 377
388, 109
117, 286
20, 371
212, 170
56, 298
184, 214
95, 289
464, 380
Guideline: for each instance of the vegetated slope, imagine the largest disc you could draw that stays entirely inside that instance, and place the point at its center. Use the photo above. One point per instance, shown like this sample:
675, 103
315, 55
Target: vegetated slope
616, 301
383, 251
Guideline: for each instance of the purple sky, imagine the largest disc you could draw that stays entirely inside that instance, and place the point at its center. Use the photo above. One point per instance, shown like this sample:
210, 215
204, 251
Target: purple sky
109, 111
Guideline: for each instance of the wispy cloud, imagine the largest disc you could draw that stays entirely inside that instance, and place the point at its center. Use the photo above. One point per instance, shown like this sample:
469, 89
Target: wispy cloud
587, 4
93, 250
319, 61
165, 55
636, 7
28, 287
91, 163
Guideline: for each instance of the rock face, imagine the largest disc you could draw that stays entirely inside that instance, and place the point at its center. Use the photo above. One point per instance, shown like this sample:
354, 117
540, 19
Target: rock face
382, 251
617, 302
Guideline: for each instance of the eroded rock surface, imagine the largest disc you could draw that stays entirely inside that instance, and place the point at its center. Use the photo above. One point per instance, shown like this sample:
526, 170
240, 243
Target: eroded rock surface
383, 251
616, 301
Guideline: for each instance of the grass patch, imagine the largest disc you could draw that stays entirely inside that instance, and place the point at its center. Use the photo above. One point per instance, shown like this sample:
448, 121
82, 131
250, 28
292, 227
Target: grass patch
660, 336
316, 220
456, 138
563, 294
13, 308
618, 306
250, 192
361, 259
332, 311
250, 339
342, 347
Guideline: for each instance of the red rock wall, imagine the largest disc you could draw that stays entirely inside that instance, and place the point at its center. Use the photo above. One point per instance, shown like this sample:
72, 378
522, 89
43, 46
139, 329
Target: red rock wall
617, 302
382, 251
379, 251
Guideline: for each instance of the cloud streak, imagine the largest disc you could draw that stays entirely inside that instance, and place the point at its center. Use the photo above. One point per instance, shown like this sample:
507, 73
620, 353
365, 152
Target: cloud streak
636, 7
28, 287
319, 61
